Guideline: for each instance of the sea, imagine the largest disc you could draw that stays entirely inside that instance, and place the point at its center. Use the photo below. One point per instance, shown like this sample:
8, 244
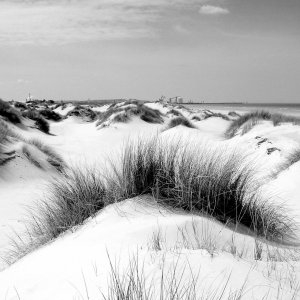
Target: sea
292, 109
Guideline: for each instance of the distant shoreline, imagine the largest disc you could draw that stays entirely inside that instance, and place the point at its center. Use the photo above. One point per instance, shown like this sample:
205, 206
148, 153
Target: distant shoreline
243, 104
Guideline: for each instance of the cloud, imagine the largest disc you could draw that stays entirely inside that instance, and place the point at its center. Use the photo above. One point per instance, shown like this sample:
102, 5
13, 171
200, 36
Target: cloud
213, 10
65, 21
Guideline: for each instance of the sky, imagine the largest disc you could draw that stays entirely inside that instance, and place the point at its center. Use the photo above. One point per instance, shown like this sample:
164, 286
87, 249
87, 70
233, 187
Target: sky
201, 50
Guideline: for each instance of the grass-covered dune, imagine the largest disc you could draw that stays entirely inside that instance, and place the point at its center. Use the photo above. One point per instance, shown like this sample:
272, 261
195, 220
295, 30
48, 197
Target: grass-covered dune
123, 112
180, 120
217, 183
247, 121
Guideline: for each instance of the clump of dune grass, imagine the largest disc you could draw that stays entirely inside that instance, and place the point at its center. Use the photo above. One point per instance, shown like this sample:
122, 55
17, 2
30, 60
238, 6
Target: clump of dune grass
254, 117
3, 140
52, 156
196, 118
20, 105
210, 114
42, 125
174, 112
123, 113
40, 122
148, 114
213, 182
49, 114
292, 158
183, 121
5, 134
233, 114
82, 112
30, 157
9, 113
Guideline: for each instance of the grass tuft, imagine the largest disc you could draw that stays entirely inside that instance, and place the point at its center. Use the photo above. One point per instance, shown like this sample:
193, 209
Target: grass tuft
180, 121
29, 156
82, 112
40, 122
49, 114
9, 113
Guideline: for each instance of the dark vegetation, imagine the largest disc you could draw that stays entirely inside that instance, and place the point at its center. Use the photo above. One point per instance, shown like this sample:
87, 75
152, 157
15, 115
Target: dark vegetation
209, 114
49, 114
216, 183
174, 112
130, 108
180, 121
9, 113
83, 112
52, 157
40, 122
253, 118
20, 105
233, 114
196, 118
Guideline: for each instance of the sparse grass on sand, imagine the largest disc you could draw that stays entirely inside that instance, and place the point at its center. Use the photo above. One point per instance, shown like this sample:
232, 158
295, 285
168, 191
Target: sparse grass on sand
212, 182
292, 158
10, 113
183, 121
173, 282
40, 122
252, 118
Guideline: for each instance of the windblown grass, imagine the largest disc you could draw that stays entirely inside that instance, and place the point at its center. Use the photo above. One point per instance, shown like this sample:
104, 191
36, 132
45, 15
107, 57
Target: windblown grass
233, 114
30, 157
253, 118
5, 134
292, 158
210, 114
180, 121
40, 122
52, 156
216, 183
10, 113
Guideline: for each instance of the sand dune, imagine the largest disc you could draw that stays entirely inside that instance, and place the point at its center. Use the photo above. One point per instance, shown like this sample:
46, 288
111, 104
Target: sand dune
217, 257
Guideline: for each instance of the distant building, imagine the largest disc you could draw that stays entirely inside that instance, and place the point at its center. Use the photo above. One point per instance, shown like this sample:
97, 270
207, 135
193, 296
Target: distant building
176, 99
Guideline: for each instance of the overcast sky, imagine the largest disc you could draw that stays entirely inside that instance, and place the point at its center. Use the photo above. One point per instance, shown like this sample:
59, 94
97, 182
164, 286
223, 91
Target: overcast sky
222, 50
